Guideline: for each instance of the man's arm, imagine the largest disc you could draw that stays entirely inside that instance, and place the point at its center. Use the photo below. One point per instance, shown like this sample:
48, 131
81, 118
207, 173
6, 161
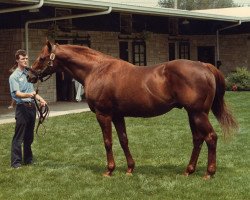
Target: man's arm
25, 95
31, 95
39, 98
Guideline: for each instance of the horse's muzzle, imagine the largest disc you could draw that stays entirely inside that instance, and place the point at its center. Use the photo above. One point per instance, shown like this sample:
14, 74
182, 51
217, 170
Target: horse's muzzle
31, 78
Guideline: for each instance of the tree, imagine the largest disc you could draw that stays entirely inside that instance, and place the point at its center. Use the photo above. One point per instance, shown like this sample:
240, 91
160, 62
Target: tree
197, 4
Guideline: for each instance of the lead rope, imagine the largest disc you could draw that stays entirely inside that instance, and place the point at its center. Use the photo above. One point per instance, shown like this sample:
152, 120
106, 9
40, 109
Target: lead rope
42, 112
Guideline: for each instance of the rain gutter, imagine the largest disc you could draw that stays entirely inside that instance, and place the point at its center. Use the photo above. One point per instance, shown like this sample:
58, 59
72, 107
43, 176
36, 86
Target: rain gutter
217, 37
155, 11
59, 18
134, 9
30, 7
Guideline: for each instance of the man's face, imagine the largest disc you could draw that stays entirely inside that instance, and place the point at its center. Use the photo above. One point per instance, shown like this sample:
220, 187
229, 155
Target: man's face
22, 61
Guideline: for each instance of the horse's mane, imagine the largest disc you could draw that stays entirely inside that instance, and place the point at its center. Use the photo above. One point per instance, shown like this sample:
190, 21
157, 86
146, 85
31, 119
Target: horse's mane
86, 51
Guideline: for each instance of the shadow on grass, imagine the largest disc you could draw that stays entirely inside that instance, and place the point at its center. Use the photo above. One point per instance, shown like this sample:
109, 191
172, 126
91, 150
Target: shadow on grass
168, 170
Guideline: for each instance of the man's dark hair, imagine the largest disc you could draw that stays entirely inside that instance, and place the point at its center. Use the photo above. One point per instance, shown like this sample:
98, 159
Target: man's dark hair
17, 54
20, 52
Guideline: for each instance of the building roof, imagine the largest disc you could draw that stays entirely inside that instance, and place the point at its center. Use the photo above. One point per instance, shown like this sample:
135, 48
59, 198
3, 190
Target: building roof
144, 3
242, 13
141, 9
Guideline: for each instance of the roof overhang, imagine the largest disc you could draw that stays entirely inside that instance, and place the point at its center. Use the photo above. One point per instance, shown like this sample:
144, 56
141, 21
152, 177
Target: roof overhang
116, 7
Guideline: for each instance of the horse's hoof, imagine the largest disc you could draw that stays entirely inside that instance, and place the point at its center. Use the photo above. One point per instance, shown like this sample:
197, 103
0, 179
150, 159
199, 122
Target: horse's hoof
129, 174
186, 174
129, 171
107, 174
207, 177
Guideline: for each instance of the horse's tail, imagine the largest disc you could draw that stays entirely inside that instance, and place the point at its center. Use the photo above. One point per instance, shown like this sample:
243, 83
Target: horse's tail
219, 107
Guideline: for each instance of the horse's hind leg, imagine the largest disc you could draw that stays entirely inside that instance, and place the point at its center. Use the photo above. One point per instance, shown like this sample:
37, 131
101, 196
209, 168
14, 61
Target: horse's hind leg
202, 130
198, 140
121, 131
105, 123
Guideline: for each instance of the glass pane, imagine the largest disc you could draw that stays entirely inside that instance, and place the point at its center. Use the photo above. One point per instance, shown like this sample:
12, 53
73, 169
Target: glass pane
141, 48
137, 58
136, 49
142, 58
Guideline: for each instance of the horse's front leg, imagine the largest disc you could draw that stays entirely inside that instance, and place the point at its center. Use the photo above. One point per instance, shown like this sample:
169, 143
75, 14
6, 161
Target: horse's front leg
121, 131
105, 123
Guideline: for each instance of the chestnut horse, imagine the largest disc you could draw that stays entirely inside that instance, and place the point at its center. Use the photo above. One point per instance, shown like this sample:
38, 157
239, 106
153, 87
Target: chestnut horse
116, 89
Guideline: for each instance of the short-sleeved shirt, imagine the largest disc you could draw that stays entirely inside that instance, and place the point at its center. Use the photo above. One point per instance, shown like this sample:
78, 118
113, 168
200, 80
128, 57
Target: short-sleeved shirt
18, 82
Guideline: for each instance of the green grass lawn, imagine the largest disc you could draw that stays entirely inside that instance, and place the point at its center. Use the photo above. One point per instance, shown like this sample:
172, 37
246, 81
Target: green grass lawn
70, 160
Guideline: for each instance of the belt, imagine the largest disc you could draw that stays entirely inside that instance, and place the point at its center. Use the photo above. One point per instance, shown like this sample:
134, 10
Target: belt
27, 104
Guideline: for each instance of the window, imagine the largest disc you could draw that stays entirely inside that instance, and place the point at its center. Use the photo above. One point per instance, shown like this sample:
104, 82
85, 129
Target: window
139, 53
184, 50
126, 23
173, 26
123, 49
171, 50
206, 54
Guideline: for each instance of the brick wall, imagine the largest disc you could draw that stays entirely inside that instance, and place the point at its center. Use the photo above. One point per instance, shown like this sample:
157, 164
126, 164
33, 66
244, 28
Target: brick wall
157, 48
10, 41
234, 52
37, 39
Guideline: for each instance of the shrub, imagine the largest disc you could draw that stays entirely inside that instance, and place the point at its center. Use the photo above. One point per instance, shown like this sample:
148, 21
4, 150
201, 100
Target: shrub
238, 80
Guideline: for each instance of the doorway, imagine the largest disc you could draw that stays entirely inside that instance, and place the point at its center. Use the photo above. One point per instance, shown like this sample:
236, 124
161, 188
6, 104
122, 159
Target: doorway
64, 85
171, 50
123, 49
206, 54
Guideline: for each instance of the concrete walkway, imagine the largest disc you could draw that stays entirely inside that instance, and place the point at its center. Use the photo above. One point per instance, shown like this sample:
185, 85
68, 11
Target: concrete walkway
56, 109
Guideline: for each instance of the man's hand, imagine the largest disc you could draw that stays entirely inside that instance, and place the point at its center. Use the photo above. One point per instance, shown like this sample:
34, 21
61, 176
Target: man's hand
32, 94
43, 102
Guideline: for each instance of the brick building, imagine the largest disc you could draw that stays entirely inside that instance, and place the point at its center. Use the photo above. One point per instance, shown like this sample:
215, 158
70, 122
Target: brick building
140, 35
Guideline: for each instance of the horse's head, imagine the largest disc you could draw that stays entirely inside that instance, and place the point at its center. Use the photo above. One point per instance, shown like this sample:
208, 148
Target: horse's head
43, 65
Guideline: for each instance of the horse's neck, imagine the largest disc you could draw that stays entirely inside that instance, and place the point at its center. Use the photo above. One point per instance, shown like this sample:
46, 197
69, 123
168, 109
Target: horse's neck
79, 65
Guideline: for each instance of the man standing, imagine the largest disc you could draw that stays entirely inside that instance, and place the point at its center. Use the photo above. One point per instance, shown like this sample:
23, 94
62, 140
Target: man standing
23, 93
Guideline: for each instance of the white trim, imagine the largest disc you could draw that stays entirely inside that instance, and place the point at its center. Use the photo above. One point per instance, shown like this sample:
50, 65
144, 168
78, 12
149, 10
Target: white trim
157, 11
36, 6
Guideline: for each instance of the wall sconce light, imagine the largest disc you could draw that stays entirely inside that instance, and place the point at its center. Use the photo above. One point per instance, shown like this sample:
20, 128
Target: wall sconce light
185, 22
34, 10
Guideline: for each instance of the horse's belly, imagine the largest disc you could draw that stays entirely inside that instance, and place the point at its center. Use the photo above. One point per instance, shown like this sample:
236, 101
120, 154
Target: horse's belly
143, 110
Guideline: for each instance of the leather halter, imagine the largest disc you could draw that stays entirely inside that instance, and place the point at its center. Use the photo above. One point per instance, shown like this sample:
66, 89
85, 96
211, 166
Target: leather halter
40, 74
48, 66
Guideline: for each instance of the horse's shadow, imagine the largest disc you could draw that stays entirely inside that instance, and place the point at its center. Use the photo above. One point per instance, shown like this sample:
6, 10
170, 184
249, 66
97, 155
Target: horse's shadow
168, 170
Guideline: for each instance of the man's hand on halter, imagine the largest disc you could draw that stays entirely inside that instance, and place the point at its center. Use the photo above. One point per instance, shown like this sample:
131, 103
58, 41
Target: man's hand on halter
36, 96
40, 99
43, 102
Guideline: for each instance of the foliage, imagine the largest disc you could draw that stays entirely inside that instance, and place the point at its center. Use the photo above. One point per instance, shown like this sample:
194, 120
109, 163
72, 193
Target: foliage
70, 159
240, 78
197, 4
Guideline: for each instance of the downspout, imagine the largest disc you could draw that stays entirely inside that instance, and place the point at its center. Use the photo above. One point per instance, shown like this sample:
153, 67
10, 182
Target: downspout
59, 18
36, 6
218, 43
176, 4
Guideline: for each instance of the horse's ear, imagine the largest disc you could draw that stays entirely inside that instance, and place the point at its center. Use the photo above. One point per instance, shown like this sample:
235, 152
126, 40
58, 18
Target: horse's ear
49, 46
